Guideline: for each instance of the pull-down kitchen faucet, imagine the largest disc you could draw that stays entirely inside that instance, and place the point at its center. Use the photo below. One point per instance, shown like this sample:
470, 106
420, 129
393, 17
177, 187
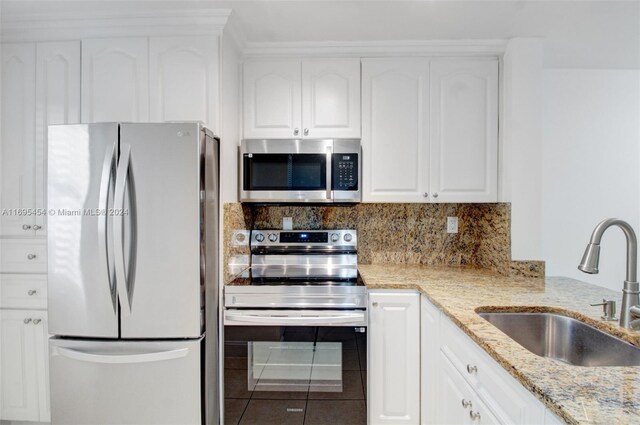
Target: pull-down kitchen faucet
591, 257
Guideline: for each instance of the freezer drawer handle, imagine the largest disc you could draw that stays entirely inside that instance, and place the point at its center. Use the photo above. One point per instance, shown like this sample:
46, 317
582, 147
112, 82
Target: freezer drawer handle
120, 358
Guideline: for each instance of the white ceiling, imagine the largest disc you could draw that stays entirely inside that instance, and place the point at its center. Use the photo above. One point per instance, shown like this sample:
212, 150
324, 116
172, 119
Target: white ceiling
577, 34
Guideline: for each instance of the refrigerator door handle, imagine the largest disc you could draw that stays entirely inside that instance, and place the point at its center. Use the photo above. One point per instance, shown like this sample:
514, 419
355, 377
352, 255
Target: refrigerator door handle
118, 229
120, 358
103, 200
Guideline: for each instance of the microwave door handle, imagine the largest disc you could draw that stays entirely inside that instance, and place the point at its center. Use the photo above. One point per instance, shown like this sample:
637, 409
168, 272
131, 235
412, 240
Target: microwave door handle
329, 171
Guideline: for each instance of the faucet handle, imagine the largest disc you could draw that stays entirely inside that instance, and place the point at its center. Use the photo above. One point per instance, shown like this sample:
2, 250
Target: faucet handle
608, 309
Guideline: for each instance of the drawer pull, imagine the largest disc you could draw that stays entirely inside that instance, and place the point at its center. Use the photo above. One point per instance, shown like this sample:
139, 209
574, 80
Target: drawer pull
472, 369
36, 227
26, 227
474, 415
36, 321
466, 403
31, 256
32, 292
27, 321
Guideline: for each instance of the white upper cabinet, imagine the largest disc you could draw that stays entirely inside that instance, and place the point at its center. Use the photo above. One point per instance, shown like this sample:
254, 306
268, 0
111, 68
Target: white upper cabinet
18, 137
464, 131
302, 99
395, 129
331, 98
430, 130
115, 80
272, 101
183, 78
57, 102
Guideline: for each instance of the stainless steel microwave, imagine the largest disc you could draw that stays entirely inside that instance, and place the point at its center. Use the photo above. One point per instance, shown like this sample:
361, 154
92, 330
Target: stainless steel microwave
295, 171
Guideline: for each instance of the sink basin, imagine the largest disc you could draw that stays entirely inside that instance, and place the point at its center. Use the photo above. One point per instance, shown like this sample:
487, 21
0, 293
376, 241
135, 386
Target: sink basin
564, 339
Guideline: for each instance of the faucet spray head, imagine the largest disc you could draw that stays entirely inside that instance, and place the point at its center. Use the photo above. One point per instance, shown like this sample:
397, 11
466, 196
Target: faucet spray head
590, 259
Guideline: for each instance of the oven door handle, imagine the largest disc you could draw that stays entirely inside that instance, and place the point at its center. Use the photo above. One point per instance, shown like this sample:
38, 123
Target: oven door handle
266, 318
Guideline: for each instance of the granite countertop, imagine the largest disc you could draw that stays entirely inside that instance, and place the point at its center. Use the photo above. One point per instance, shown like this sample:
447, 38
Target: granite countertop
577, 394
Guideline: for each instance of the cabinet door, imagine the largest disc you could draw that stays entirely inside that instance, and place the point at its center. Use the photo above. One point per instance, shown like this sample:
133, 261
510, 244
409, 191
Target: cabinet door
18, 374
115, 80
394, 358
41, 344
464, 131
57, 102
430, 384
272, 100
18, 138
395, 129
331, 98
183, 76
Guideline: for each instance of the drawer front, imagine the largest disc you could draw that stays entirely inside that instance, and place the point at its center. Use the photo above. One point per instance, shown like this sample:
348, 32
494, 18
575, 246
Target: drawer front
509, 401
23, 256
23, 291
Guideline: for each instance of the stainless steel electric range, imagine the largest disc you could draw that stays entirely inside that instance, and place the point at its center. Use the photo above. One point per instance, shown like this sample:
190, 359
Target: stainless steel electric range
295, 334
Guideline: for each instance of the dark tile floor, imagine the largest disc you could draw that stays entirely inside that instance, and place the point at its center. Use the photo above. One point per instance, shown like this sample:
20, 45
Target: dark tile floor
348, 407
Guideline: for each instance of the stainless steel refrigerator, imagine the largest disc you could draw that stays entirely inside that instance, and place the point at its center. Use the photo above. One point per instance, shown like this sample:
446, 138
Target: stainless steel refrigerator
132, 240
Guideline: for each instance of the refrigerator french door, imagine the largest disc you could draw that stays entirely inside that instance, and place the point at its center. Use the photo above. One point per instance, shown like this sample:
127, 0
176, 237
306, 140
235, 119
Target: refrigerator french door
132, 213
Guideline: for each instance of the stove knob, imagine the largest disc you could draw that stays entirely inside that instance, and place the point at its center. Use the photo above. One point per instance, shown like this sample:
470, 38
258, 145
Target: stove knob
335, 237
259, 237
348, 237
273, 237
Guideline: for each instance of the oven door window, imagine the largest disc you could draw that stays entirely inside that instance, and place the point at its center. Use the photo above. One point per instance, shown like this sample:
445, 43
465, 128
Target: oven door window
285, 172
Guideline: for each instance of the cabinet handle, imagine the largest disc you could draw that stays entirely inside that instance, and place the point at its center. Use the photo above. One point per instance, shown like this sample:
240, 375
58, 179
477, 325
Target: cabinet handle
435, 195
32, 292
27, 321
31, 256
472, 369
36, 227
375, 304
26, 227
36, 321
296, 131
426, 195
466, 403
474, 415
306, 131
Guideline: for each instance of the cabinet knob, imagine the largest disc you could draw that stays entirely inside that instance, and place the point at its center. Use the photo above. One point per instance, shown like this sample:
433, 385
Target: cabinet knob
466, 403
32, 292
474, 415
26, 227
472, 369
296, 131
36, 321
36, 227
27, 321
426, 195
375, 304
31, 256
435, 195
306, 131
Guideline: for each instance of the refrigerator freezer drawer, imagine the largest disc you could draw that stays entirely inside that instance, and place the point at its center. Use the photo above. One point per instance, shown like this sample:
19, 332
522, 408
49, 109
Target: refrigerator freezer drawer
125, 382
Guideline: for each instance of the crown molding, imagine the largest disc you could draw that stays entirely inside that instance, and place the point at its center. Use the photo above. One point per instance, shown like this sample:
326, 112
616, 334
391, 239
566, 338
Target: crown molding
458, 48
125, 23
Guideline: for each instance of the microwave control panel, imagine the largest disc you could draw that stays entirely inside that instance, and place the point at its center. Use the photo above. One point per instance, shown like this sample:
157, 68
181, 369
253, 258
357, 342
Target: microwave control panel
345, 171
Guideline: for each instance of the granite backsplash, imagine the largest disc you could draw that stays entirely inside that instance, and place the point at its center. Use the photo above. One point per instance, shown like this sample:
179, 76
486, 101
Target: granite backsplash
397, 233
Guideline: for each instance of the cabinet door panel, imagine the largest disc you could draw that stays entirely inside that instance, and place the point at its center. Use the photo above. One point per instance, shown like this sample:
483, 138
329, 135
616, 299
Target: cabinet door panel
331, 98
183, 79
395, 137
41, 344
464, 131
18, 137
394, 358
115, 80
272, 99
57, 102
18, 374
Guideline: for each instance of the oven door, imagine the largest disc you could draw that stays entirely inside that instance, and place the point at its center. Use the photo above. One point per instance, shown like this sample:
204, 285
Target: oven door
286, 171
301, 373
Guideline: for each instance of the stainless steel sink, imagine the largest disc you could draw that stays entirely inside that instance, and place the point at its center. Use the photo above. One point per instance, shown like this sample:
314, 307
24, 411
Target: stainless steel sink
564, 339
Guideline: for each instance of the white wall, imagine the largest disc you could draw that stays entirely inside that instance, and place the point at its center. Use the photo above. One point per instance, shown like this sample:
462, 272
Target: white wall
591, 167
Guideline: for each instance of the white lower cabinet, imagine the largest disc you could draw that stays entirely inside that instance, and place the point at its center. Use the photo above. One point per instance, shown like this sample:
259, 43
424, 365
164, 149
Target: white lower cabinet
394, 357
24, 375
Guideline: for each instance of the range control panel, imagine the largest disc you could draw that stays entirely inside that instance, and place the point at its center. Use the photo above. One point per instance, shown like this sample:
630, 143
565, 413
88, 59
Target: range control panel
307, 238
345, 171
